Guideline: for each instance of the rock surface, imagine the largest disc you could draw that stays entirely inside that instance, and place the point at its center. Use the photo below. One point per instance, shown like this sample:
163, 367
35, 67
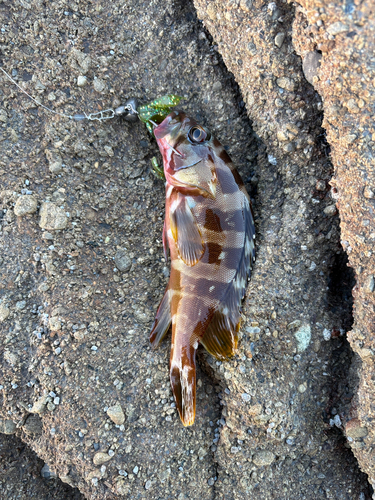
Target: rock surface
346, 82
78, 301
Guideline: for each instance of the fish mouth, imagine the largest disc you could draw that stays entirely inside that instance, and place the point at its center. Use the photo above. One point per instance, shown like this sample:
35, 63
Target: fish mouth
170, 125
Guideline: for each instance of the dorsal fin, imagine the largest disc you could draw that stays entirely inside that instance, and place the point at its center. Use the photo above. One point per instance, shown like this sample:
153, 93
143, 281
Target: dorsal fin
221, 336
185, 231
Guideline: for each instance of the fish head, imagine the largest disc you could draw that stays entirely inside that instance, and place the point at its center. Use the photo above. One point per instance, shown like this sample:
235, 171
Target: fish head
186, 148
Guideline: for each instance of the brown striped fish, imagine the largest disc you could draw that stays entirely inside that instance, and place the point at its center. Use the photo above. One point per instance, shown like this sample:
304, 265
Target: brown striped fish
209, 229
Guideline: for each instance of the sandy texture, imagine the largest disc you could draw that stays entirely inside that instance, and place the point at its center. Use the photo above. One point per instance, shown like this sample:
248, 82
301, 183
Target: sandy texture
83, 274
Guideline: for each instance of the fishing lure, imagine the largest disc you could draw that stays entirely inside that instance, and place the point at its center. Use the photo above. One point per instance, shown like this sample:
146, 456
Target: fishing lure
209, 229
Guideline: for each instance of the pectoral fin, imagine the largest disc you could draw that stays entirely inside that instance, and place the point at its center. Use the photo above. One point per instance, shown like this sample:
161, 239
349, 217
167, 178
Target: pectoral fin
185, 232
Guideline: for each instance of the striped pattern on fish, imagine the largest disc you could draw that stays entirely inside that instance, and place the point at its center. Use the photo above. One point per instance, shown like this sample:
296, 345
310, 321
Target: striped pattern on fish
210, 233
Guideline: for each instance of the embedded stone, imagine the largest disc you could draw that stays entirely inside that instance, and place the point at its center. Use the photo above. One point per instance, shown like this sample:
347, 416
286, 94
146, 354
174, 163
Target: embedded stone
25, 204
52, 217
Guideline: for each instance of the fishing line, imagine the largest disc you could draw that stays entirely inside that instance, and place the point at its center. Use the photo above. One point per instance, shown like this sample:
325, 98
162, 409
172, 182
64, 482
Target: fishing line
158, 108
128, 108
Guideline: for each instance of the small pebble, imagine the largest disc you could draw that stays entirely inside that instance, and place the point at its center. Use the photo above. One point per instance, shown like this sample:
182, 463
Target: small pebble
116, 414
263, 457
55, 167
101, 458
122, 260
253, 329
7, 427
99, 85
52, 217
81, 81
21, 305
330, 210
25, 204
310, 65
46, 472
369, 192
4, 313
286, 83
279, 39
336, 28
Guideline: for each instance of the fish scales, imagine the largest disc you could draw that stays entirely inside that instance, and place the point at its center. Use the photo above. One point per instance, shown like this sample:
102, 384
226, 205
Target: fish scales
210, 233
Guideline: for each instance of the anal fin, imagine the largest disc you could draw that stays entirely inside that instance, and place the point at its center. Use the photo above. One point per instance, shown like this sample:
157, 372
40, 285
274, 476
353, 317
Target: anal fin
165, 241
162, 320
221, 336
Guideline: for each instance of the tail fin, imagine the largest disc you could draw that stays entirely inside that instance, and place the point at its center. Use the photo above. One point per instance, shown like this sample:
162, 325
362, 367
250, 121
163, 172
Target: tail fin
183, 382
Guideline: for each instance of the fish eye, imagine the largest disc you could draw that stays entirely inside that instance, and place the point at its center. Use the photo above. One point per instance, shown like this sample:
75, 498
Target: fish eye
198, 135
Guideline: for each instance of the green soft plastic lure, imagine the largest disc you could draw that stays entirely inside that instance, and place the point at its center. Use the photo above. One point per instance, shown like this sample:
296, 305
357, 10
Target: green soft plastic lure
157, 110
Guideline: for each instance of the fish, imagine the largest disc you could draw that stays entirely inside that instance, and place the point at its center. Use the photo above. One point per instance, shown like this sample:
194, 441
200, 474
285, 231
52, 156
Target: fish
209, 229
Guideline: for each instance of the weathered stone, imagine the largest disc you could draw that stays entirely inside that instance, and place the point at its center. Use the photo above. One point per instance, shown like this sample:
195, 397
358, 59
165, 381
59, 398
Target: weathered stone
99, 85
33, 425
4, 312
54, 324
279, 39
52, 217
25, 204
40, 405
286, 83
262, 458
81, 81
355, 430
116, 414
122, 260
7, 426
101, 458
310, 65
336, 28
